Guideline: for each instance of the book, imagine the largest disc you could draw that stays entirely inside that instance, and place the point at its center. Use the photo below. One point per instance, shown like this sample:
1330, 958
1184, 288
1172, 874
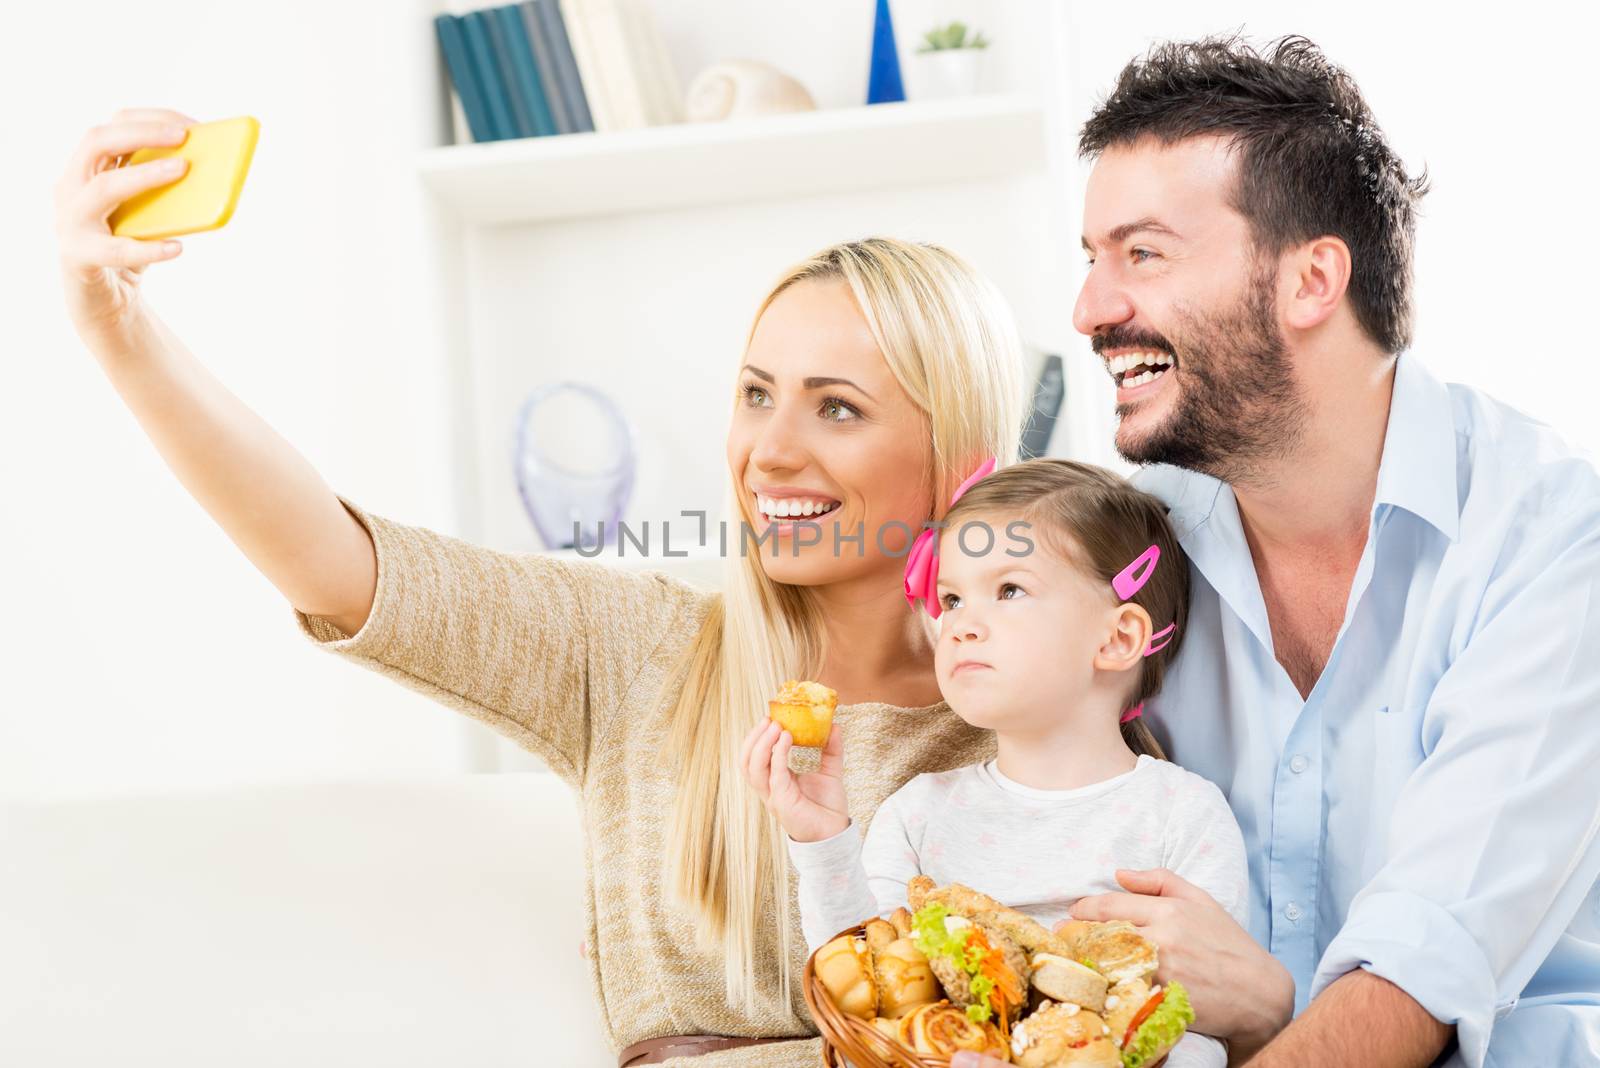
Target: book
603, 24
522, 124
478, 49
464, 77
544, 58
589, 70
572, 89
658, 82
524, 69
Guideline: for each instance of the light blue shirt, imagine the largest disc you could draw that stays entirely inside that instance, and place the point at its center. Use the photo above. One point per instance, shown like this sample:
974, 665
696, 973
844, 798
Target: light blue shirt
1430, 812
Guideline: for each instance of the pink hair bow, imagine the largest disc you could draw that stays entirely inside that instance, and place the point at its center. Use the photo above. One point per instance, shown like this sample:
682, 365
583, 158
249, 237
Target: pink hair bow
922, 563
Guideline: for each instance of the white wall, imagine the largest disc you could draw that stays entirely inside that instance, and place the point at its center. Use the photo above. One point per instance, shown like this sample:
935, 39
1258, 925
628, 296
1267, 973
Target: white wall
142, 651
145, 653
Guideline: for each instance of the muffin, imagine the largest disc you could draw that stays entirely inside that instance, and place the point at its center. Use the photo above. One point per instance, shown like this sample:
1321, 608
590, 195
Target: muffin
805, 710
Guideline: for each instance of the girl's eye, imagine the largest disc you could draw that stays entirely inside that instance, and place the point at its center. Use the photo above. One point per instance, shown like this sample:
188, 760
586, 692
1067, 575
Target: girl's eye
1010, 586
750, 393
948, 601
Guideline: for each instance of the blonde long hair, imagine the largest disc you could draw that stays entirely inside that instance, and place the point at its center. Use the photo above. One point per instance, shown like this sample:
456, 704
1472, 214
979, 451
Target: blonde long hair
950, 341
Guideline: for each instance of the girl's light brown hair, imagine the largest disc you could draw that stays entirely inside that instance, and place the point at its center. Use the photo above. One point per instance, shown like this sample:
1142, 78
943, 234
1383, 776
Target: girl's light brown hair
1098, 522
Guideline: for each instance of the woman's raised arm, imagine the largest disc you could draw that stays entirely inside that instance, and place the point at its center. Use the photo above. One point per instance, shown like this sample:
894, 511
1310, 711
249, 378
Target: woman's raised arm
263, 493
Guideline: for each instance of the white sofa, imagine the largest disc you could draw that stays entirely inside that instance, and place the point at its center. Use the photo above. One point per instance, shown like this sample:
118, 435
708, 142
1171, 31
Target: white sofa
427, 921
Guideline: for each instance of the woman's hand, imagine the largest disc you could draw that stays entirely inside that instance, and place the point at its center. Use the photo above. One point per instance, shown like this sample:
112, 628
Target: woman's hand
101, 273
809, 807
1239, 991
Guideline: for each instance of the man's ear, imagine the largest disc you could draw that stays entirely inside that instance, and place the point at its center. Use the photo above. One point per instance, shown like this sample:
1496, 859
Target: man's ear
1125, 643
1321, 275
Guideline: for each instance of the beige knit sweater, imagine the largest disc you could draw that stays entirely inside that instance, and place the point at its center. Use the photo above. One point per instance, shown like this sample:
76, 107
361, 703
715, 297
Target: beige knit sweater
567, 657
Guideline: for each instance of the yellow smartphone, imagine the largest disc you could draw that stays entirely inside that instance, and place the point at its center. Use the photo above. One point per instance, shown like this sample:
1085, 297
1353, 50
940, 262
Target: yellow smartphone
204, 198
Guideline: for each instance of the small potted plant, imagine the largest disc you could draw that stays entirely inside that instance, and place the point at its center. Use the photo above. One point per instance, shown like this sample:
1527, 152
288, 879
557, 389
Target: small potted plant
947, 63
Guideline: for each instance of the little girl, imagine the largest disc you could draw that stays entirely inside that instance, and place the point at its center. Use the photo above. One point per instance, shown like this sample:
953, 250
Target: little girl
1060, 592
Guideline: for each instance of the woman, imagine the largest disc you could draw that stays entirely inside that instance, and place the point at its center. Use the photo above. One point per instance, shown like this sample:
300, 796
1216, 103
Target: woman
876, 376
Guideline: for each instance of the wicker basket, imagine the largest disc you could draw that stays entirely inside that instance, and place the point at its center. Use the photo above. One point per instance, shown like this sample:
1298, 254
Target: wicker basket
852, 1037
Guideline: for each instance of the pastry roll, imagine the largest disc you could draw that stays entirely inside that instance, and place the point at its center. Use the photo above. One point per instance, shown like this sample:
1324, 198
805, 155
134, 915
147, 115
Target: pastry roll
944, 1030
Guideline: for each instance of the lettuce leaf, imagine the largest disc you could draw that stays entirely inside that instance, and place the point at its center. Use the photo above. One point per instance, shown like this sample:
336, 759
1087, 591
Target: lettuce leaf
930, 935
934, 939
1161, 1029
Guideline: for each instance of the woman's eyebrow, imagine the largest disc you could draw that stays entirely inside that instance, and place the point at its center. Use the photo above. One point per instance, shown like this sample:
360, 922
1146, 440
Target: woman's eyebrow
814, 382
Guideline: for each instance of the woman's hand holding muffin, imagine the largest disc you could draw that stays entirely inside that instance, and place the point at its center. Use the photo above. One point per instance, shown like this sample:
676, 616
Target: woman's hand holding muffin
810, 806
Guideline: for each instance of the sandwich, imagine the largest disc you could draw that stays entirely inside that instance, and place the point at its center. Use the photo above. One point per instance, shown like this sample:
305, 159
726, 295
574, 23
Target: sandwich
977, 960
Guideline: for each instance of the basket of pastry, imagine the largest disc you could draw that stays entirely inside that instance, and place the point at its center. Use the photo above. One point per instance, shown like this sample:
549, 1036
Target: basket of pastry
960, 971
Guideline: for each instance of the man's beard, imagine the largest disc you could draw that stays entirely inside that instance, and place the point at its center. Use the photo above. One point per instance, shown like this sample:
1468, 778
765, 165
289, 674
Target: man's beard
1238, 406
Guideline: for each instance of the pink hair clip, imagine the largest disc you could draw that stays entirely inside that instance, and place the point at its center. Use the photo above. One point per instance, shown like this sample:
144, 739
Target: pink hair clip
1129, 581
922, 562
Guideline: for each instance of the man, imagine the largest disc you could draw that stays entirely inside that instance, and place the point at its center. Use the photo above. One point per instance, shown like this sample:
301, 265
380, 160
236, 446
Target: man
1392, 665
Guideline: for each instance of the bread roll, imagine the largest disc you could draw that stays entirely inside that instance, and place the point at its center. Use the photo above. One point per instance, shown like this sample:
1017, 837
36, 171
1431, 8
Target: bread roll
879, 934
1060, 1035
844, 966
805, 710
886, 1026
1060, 979
904, 979
1123, 1000
1115, 948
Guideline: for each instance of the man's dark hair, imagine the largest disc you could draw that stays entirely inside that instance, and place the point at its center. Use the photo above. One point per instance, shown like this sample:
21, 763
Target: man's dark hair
1311, 159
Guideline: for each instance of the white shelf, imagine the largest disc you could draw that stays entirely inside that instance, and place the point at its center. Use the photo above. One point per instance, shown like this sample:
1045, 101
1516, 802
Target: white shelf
778, 156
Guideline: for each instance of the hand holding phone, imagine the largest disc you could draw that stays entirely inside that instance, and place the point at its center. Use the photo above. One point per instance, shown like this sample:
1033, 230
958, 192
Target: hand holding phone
114, 164
217, 157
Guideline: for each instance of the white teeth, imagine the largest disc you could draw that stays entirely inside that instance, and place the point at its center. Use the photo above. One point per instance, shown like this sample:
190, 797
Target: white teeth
1141, 379
1118, 365
792, 507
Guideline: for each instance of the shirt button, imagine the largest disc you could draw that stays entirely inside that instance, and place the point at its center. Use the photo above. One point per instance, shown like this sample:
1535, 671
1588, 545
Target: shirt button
1299, 764
1291, 912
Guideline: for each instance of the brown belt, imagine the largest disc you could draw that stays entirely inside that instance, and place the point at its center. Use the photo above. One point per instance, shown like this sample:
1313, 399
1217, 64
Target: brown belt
654, 1050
